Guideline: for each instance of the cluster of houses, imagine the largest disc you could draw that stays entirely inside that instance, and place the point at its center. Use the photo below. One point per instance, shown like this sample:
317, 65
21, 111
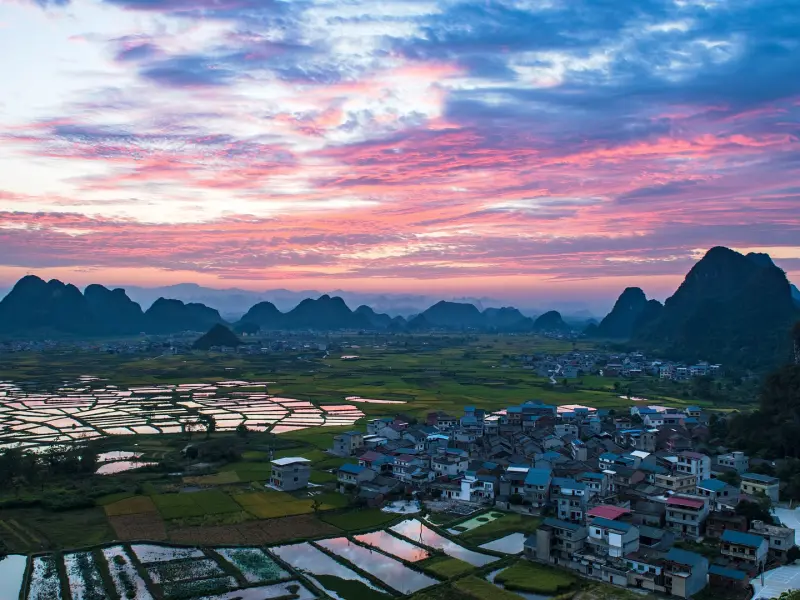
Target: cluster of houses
572, 365
622, 498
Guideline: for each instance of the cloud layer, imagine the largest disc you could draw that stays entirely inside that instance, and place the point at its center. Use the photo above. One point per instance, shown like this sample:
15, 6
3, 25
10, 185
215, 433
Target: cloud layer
421, 140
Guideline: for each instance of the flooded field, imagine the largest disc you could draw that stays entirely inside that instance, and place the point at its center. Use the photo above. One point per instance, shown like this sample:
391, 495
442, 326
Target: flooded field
513, 543
12, 573
394, 574
474, 523
89, 409
393, 545
415, 531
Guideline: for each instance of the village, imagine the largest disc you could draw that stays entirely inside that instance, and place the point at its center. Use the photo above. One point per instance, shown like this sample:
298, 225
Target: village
625, 499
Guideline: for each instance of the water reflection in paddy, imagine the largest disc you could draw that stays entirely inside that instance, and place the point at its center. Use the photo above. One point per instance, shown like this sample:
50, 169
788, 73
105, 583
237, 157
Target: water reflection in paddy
416, 531
121, 466
305, 557
394, 546
12, 571
394, 574
511, 544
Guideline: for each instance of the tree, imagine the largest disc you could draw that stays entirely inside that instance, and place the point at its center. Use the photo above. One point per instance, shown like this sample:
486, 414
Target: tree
516, 499
241, 430
790, 595
316, 504
210, 424
754, 511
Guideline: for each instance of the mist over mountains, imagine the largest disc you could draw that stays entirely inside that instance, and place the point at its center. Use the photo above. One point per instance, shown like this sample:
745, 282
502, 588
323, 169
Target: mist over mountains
730, 308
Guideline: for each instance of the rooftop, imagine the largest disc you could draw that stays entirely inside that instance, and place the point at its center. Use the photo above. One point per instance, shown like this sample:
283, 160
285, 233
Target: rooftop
559, 524
725, 572
352, 469
684, 557
683, 502
758, 477
289, 460
742, 539
538, 477
609, 524
608, 511
715, 485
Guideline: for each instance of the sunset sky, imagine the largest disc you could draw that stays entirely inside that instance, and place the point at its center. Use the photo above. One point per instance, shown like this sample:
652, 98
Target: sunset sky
528, 148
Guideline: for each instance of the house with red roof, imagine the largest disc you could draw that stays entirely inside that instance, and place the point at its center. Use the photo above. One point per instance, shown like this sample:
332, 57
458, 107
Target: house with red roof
686, 515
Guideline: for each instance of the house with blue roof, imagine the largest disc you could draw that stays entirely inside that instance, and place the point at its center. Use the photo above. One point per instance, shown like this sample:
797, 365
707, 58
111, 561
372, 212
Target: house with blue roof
717, 491
556, 541
347, 443
685, 573
745, 547
353, 475
570, 498
537, 486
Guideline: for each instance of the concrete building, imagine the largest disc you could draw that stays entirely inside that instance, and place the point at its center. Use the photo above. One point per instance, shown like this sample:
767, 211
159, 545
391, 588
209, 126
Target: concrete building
719, 493
755, 484
449, 464
290, 473
746, 547
695, 464
686, 514
556, 541
348, 443
685, 573
353, 475
780, 539
679, 483
570, 499
537, 486
612, 538
738, 461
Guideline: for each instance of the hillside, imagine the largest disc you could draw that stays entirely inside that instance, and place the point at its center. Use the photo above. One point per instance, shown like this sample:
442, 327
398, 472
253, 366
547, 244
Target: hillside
454, 315
218, 335
730, 308
169, 316
619, 323
550, 321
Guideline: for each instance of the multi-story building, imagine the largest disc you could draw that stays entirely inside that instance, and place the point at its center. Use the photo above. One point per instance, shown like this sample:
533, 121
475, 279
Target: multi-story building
348, 443
738, 461
612, 538
449, 464
353, 475
570, 499
290, 473
686, 514
679, 483
695, 464
556, 541
780, 539
677, 573
756, 484
745, 547
719, 493
537, 486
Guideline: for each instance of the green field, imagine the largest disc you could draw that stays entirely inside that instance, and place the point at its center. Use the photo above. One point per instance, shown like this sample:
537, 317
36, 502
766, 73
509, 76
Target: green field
196, 504
481, 589
445, 566
525, 576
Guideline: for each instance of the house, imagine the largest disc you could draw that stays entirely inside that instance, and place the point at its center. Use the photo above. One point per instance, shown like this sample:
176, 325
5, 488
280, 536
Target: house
556, 541
405, 466
718, 521
380, 485
376, 425
681, 483
537, 486
695, 464
512, 482
570, 499
780, 539
347, 443
738, 461
478, 487
376, 461
612, 538
694, 411
685, 573
718, 492
755, 484
353, 475
290, 473
745, 547
725, 578
449, 465
596, 483
686, 515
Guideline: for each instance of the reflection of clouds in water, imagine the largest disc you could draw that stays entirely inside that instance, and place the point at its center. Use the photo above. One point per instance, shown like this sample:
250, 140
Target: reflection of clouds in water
80, 411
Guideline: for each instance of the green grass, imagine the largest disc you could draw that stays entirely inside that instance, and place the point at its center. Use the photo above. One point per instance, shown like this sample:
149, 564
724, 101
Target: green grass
255, 455
45, 530
195, 504
111, 498
526, 576
322, 477
249, 471
445, 566
134, 505
349, 589
508, 523
359, 519
480, 589
272, 504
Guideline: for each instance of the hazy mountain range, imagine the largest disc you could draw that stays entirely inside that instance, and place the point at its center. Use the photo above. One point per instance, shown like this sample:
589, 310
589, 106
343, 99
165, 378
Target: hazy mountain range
730, 308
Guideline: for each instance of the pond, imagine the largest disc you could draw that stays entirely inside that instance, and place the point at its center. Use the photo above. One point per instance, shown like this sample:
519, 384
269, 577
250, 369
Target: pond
256, 566
417, 532
12, 572
393, 545
394, 574
151, 553
513, 543
121, 466
311, 561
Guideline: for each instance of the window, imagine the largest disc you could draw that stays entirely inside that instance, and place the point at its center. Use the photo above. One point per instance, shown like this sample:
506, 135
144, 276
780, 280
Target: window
777, 542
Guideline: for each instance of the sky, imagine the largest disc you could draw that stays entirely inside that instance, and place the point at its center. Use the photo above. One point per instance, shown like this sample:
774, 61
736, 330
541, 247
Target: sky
506, 148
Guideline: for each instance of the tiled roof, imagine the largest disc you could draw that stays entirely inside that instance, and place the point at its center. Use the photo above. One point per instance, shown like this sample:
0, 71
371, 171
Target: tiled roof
559, 524
742, 539
685, 502
608, 511
609, 524
538, 477
759, 477
352, 469
729, 573
684, 557
715, 485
